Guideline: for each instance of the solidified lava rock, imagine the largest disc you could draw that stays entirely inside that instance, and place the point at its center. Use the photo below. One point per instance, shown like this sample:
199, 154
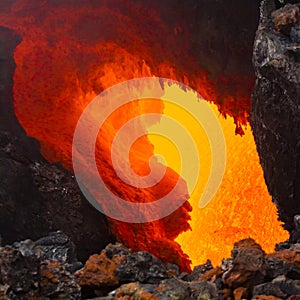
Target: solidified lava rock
252, 274
48, 269
275, 116
39, 269
286, 18
99, 273
36, 196
248, 267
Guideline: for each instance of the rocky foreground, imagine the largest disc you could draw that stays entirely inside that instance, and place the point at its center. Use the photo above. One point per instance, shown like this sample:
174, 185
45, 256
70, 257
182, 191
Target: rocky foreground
48, 269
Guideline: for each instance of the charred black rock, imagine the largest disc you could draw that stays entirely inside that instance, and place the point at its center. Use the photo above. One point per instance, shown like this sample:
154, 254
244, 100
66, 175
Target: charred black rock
280, 287
116, 249
35, 196
286, 18
57, 246
39, 269
275, 116
276, 267
295, 34
198, 271
30, 269
142, 267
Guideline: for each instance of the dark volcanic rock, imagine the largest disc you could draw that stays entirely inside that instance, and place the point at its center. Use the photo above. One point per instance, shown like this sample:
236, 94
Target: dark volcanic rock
294, 240
116, 265
280, 287
203, 290
198, 271
248, 265
57, 283
275, 267
30, 269
8, 41
288, 255
275, 116
168, 289
286, 18
35, 196
57, 246
142, 267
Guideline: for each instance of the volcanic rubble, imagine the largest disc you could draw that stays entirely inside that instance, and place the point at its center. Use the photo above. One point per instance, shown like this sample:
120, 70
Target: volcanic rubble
48, 269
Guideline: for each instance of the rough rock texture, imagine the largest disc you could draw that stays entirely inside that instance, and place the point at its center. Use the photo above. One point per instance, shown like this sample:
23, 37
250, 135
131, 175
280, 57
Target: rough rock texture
255, 274
247, 266
286, 18
35, 196
275, 116
100, 271
40, 269
288, 256
168, 289
48, 269
118, 265
248, 274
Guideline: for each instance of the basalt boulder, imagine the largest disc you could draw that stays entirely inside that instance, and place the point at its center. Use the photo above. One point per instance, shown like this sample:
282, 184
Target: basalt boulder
275, 115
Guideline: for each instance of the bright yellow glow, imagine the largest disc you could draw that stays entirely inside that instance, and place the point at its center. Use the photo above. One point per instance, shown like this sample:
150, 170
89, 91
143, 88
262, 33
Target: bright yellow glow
242, 206
166, 151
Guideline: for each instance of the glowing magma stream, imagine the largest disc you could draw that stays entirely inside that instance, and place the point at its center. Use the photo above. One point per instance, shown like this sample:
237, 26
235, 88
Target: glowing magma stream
241, 208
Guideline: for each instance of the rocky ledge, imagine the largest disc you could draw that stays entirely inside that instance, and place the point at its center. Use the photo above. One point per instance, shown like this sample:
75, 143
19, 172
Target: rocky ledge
275, 117
48, 269
37, 196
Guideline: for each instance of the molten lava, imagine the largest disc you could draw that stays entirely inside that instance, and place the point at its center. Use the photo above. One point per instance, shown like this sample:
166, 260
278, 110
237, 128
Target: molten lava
72, 51
241, 208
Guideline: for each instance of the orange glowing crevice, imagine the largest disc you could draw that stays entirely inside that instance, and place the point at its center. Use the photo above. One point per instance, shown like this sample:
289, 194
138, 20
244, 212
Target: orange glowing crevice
241, 208
70, 53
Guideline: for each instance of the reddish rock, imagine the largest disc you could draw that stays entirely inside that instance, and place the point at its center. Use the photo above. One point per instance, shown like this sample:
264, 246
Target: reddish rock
240, 293
247, 266
39, 270
211, 275
99, 271
248, 243
290, 256
286, 18
55, 280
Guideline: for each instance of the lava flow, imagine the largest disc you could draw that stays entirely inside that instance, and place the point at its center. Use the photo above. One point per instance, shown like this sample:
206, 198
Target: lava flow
72, 51
242, 206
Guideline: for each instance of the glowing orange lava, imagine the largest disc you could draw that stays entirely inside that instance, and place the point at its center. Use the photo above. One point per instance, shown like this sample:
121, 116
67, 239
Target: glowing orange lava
73, 51
241, 208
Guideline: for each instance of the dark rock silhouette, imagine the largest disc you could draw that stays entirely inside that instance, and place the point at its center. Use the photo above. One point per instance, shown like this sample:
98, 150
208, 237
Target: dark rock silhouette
275, 107
35, 196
